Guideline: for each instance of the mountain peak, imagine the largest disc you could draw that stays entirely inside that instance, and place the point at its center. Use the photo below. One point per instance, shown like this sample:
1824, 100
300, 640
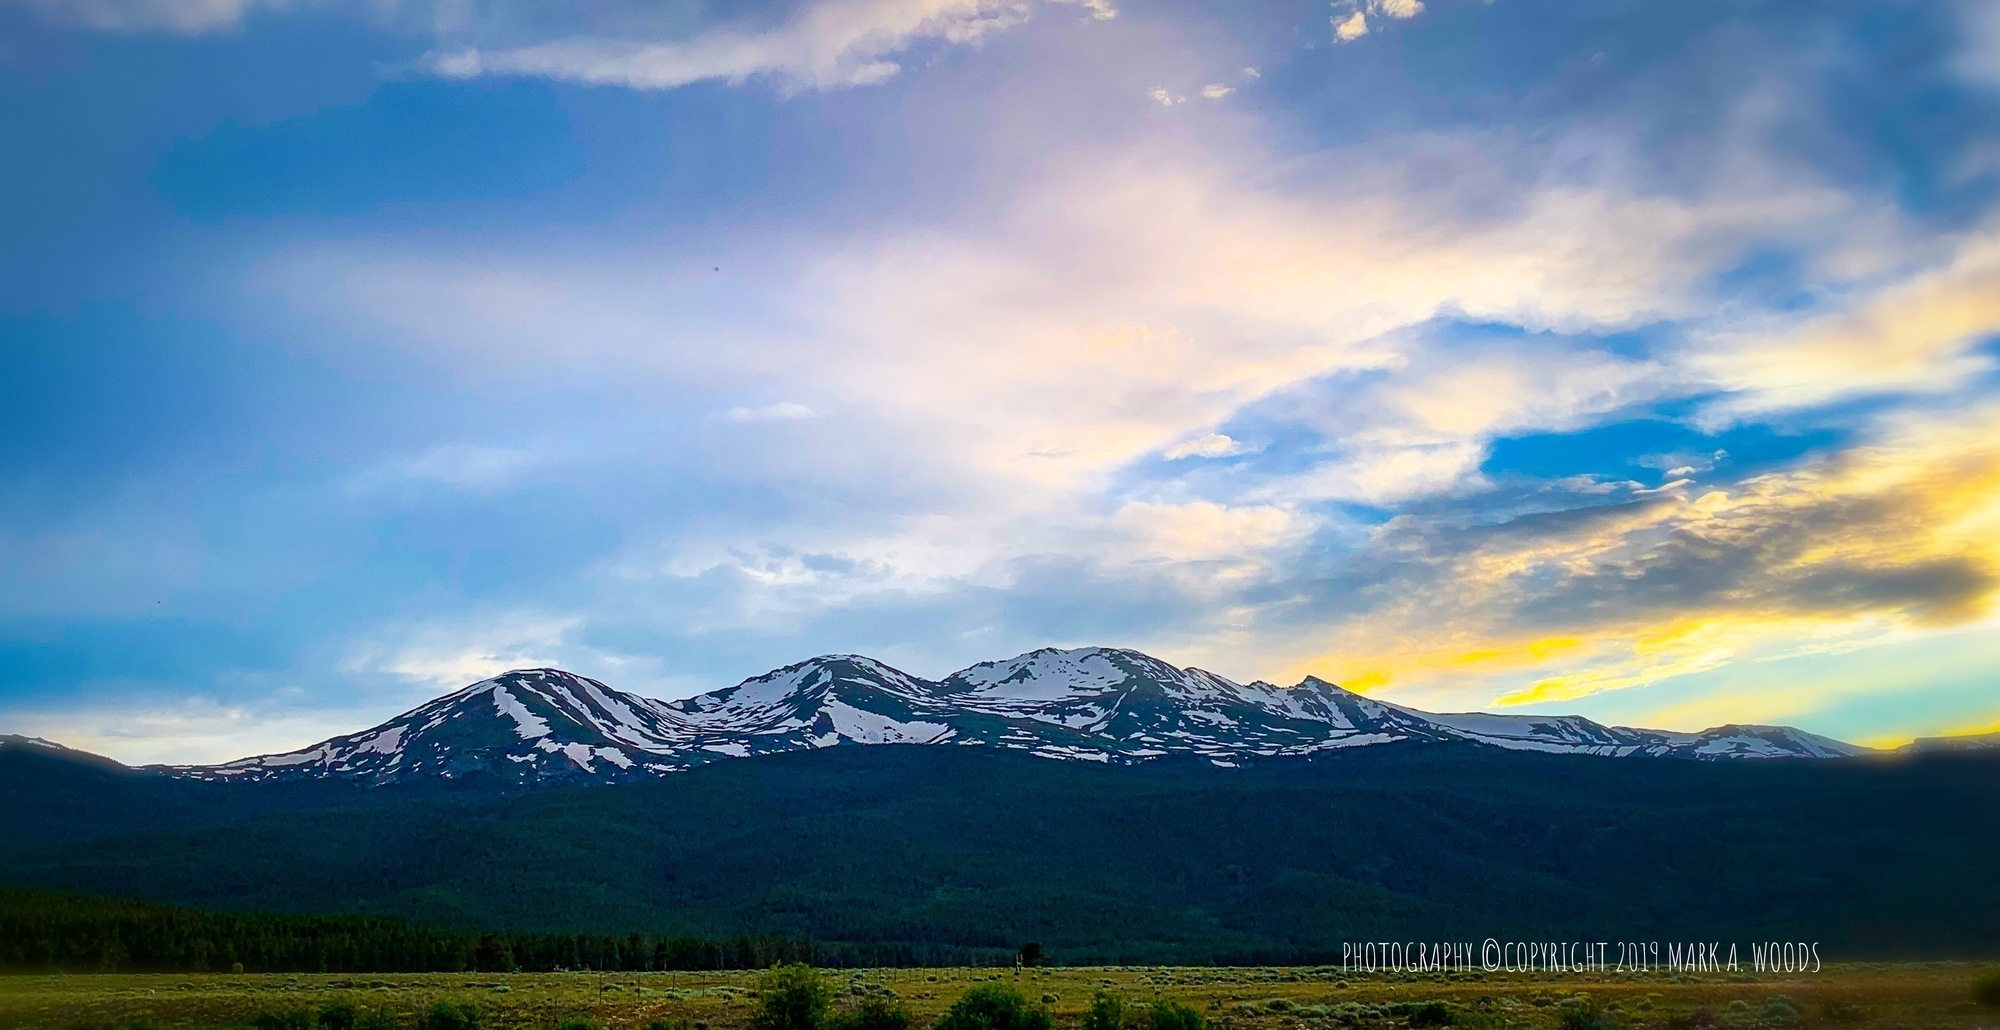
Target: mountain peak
541, 725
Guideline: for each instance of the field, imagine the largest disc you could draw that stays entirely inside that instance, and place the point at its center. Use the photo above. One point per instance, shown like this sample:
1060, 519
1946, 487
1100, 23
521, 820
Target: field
1319, 998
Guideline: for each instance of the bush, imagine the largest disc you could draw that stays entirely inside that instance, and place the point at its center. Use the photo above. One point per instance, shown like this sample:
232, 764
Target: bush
1172, 1015
577, 1023
994, 1007
877, 1013
283, 1019
1587, 1019
793, 997
447, 1015
1699, 1016
337, 1015
1430, 1013
1106, 1012
668, 1024
1986, 989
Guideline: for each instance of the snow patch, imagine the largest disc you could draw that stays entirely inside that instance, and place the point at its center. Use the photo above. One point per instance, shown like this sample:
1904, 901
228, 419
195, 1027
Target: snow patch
526, 723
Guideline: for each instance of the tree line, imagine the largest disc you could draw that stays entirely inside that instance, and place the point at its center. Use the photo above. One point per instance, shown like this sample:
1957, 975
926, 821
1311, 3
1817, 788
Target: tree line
43, 931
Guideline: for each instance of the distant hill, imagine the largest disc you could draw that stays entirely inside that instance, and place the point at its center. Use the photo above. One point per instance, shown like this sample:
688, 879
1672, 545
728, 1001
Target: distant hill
1169, 860
547, 726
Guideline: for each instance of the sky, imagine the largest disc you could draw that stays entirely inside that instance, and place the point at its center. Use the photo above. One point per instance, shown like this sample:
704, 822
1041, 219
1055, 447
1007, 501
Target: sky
1631, 359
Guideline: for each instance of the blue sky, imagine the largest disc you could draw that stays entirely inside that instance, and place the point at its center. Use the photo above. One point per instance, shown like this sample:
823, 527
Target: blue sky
1633, 359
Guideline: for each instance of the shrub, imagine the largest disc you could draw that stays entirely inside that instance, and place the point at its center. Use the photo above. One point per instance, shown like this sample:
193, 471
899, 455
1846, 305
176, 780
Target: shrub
1172, 1015
1587, 1019
1106, 1012
667, 1024
1781, 1008
1986, 989
877, 1013
1430, 1013
994, 1007
337, 1015
283, 1019
1699, 1016
577, 1023
793, 997
447, 1015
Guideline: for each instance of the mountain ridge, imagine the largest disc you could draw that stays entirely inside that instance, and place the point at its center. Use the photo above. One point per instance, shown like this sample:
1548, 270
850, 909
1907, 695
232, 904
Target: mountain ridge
549, 726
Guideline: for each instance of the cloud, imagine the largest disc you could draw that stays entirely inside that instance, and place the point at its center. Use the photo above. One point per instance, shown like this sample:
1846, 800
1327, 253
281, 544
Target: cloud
818, 44
1216, 90
184, 16
1009, 378
436, 654
1164, 98
1203, 531
1919, 334
1350, 19
461, 466
779, 411
1095, 10
824, 44
1872, 546
1212, 445
187, 731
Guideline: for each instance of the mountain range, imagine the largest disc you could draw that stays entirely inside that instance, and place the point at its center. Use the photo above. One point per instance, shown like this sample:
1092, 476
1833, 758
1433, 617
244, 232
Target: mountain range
545, 726
1187, 818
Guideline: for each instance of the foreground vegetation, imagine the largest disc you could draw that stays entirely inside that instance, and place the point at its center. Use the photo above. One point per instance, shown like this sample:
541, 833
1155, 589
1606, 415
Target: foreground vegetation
1323, 998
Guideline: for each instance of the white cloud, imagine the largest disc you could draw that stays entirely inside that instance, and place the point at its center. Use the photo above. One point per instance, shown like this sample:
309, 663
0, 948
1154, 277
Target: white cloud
780, 411
822, 44
1094, 10
825, 44
1216, 90
448, 657
1163, 98
1350, 28
1397, 8
1213, 445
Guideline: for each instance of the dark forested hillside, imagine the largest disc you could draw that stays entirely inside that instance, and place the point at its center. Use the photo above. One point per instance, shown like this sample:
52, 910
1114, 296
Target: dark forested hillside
979, 848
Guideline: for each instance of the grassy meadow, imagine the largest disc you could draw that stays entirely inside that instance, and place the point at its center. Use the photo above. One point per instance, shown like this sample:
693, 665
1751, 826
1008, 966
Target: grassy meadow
1317, 998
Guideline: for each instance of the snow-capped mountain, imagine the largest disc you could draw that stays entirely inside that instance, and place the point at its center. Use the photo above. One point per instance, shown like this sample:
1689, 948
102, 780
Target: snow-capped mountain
1097, 704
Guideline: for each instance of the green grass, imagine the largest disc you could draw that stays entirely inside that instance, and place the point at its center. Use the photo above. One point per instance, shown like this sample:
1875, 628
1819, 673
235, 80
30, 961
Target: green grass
1910, 996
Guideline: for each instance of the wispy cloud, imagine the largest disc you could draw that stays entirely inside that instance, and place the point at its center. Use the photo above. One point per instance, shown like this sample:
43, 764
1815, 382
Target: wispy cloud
184, 16
824, 44
777, 411
1211, 445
